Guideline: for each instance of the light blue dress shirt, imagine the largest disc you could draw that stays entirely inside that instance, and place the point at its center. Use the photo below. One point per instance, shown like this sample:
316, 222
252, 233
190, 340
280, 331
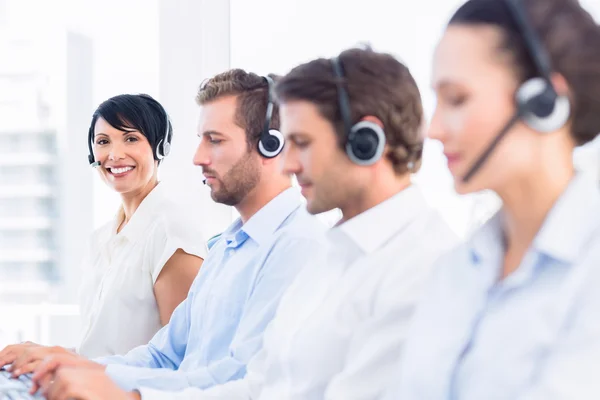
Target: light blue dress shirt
534, 335
219, 327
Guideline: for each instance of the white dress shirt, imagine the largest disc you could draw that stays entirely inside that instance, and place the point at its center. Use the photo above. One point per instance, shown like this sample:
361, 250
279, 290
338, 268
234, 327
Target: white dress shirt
117, 303
340, 328
533, 335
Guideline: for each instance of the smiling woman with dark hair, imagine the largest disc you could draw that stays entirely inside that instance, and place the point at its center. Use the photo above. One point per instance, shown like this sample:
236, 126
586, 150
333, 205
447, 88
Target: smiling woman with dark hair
140, 265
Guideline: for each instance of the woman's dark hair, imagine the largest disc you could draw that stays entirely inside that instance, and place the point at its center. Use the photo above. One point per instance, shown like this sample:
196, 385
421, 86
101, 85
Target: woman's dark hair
569, 35
138, 112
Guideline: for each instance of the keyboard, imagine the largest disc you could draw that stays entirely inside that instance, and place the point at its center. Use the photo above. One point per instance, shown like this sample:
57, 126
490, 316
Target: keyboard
16, 389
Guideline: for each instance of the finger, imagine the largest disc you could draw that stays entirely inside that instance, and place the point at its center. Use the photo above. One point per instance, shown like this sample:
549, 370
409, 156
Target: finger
26, 369
31, 356
46, 385
10, 353
25, 358
14, 352
7, 358
5, 351
43, 384
48, 366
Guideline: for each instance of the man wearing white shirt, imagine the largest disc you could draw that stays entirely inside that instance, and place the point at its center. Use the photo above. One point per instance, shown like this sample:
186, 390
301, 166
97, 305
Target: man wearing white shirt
353, 132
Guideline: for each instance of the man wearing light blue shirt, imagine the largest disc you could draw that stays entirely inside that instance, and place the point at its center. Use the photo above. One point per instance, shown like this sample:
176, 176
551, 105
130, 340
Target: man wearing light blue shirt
215, 332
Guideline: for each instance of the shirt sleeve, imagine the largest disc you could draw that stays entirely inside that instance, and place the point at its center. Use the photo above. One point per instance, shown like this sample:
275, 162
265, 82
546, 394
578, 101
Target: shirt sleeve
173, 233
279, 267
247, 388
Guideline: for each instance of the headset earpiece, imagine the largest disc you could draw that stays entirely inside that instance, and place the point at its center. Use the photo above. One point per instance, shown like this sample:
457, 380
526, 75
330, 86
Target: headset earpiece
540, 107
271, 141
163, 148
538, 104
365, 140
91, 158
270, 145
365, 143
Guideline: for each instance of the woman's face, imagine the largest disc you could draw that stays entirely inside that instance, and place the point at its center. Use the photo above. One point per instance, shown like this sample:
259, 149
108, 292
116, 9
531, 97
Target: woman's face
127, 161
475, 87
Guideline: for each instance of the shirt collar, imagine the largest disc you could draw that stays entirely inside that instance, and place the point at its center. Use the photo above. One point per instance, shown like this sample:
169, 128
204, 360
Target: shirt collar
143, 215
565, 231
374, 227
261, 226
572, 220
487, 242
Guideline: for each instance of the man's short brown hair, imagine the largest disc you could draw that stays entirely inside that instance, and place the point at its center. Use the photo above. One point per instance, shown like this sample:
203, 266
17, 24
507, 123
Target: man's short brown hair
377, 85
251, 91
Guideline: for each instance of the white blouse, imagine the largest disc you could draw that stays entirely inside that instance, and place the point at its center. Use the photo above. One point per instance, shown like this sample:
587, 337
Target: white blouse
117, 303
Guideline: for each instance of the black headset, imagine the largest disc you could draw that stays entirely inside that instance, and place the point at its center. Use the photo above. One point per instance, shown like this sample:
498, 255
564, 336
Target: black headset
271, 141
163, 148
365, 140
538, 105
91, 158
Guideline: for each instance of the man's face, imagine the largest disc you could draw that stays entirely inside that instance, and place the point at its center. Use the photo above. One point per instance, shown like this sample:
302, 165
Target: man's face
231, 168
313, 154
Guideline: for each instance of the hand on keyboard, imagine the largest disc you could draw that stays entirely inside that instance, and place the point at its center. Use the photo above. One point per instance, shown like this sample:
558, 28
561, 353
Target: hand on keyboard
84, 384
32, 356
47, 369
10, 353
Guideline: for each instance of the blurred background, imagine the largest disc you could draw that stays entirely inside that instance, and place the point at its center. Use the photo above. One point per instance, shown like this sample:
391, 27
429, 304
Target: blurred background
60, 59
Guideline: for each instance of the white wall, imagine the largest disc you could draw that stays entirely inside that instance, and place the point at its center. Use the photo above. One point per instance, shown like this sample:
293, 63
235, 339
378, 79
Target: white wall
193, 46
163, 48
126, 60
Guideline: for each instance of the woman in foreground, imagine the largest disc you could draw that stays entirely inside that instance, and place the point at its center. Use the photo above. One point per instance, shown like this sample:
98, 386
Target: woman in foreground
513, 314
